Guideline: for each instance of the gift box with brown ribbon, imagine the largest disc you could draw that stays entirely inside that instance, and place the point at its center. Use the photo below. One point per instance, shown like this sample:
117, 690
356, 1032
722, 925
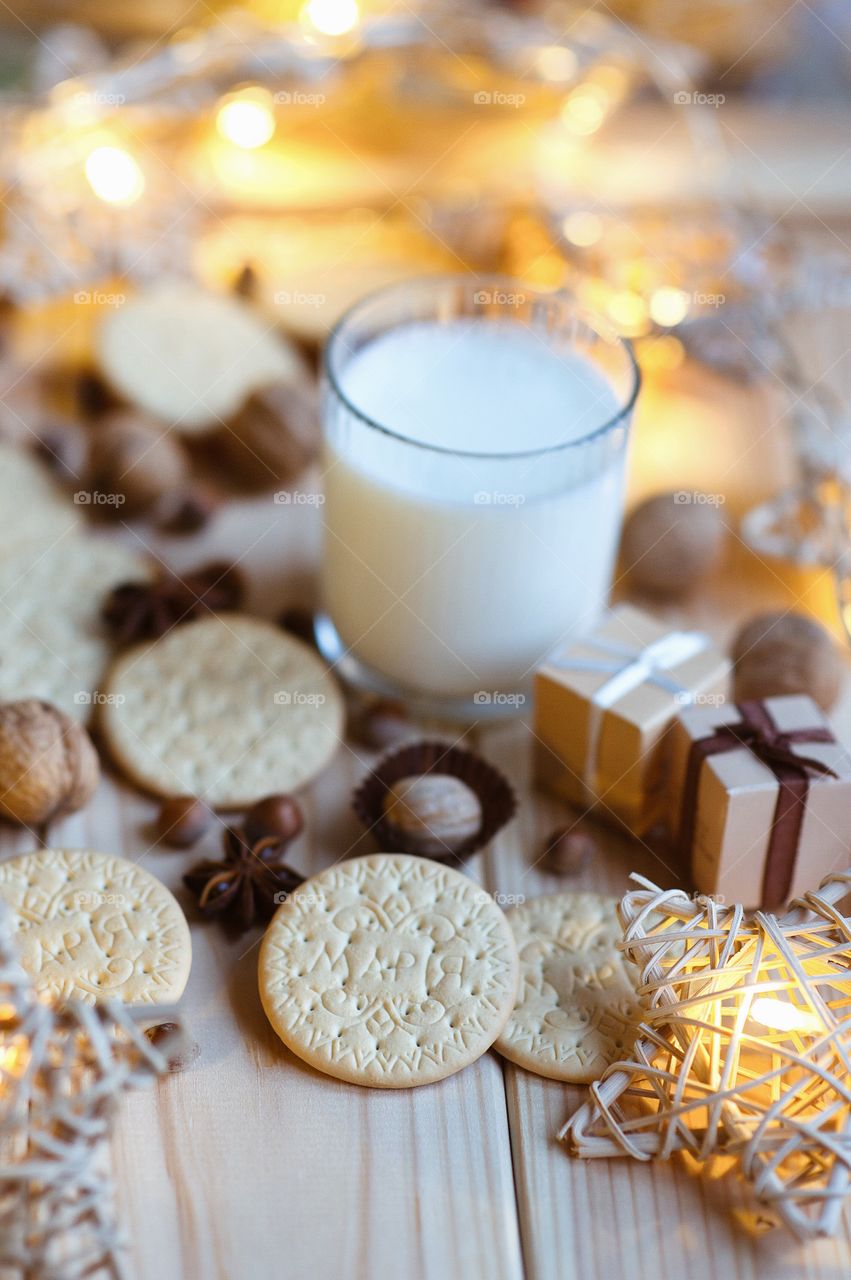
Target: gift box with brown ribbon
603, 707
760, 799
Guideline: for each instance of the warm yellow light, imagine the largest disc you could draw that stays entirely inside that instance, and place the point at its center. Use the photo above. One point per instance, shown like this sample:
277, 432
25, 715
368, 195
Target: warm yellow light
661, 354
780, 1015
331, 17
669, 306
14, 1057
612, 80
629, 312
114, 175
555, 62
584, 112
582, 229
247, 119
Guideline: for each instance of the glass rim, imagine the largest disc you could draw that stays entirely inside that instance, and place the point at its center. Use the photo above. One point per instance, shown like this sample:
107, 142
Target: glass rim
597, 324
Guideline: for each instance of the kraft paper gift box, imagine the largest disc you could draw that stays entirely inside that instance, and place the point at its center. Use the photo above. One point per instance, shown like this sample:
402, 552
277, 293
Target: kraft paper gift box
760, 799
603, 708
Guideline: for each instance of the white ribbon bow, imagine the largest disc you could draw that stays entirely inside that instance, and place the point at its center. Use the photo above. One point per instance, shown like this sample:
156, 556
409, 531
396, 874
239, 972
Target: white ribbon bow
630, 667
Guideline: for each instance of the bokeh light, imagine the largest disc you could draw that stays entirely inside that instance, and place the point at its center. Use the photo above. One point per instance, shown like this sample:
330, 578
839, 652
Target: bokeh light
114, 175
584, 110
669, 306
331, 17
582, 228
247, 119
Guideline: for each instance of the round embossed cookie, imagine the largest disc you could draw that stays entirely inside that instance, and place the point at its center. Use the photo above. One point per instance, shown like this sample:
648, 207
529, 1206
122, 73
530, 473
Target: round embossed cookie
389, 970
189, 357
52, 641
96, 927
577, 995
228, 707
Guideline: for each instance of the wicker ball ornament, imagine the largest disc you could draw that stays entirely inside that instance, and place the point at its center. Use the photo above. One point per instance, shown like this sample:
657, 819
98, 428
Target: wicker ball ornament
744, 1047
63, 1069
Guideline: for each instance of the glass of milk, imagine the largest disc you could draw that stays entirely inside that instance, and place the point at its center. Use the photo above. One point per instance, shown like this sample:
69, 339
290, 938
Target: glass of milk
474, 444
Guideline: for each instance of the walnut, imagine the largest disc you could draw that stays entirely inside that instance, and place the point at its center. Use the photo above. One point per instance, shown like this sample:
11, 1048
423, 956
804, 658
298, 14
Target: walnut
273, 437
670, 542
433, 813
48, 763
137, 460
785, 653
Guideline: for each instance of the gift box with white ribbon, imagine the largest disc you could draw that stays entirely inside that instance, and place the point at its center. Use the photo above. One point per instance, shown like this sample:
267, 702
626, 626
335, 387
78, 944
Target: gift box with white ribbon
603, 708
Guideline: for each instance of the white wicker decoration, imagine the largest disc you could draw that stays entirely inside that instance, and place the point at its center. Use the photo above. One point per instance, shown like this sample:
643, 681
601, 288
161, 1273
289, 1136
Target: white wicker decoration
62, 1070
744, 1047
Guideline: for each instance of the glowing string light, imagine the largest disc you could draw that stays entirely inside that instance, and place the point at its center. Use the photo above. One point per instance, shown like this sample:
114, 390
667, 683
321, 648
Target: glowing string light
331, 17
585, 110
247, 119
555, 62
582, 229
114, 176
669, 306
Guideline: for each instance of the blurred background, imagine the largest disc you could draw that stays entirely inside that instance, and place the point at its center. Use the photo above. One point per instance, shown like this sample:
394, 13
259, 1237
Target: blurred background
682, 165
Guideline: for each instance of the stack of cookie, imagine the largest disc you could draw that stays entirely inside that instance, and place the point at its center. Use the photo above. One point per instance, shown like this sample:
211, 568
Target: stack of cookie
395, 971
169, 400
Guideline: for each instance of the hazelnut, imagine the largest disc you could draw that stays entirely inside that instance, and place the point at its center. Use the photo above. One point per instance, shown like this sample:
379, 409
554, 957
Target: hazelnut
136, 459
273, 437
48, 763
277, 815
181, 821
568, 850
189, 511
432, 814
171, 1040
300, 623
669, 545
785, 653
381, 724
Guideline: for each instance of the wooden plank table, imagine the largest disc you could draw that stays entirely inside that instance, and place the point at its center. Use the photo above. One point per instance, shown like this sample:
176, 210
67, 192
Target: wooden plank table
251, 1166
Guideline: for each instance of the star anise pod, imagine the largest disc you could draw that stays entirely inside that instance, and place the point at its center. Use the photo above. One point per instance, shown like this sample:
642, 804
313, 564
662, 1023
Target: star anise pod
247, 886
145, 610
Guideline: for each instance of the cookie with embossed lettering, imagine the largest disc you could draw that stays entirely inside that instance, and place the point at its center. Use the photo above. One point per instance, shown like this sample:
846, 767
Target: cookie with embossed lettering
574, 1014
226, 707
93, 926
390, 971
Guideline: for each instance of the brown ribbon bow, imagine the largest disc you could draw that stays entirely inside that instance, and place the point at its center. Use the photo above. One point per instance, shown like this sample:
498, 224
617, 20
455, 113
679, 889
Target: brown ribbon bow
759, 734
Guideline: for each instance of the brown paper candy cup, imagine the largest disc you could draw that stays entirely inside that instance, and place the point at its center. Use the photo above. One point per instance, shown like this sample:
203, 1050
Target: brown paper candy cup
494, 793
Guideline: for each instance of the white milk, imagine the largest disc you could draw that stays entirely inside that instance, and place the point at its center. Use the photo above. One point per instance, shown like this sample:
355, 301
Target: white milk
453, 574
